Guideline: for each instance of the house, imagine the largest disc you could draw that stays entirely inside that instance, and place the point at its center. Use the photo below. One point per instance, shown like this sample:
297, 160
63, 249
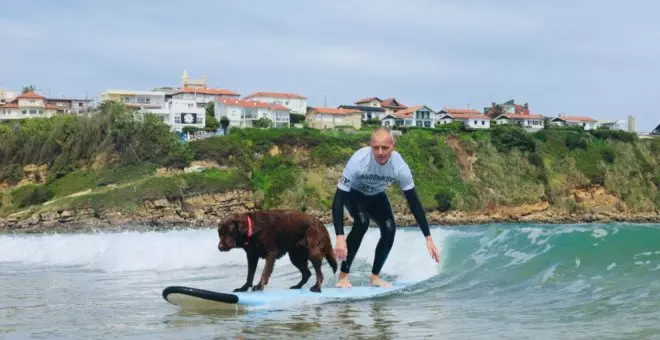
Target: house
202, 95
390, 105
70, 105
509, 107
368, 112
294, 102
27, 105
471, 119
242, 113
564, 120
7, 96
419, 115
330, 118
529, 122
177, 112
153, 101
184, 113
619, 124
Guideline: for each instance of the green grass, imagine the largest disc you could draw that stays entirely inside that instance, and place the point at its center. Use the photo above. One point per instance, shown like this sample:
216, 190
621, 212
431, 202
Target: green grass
172, 188
299, 168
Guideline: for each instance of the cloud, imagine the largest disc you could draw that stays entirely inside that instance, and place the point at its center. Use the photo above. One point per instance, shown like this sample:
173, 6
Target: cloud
586, 57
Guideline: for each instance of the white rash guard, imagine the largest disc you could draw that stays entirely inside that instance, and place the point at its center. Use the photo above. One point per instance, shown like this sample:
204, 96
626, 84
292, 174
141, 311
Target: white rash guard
364, 174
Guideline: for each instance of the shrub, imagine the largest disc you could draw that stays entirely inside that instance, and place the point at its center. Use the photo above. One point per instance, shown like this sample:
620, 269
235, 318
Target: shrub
31, 194
509, 136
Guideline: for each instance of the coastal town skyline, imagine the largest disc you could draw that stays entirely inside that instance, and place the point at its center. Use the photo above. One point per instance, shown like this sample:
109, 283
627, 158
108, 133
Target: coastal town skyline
453, 55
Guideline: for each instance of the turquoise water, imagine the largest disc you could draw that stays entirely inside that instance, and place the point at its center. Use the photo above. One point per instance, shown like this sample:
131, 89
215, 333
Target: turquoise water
592, 281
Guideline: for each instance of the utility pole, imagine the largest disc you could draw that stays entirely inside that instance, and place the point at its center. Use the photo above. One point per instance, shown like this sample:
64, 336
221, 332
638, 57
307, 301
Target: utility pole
325, 101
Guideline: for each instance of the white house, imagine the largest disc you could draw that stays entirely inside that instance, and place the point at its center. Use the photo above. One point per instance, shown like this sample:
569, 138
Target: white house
529, 122
390, 105
294, 102
152, 101
27, 105
587, 122
471, 119
70, 105
202, 96
368, 112
330, 118
419, 115
242, 113
185, 112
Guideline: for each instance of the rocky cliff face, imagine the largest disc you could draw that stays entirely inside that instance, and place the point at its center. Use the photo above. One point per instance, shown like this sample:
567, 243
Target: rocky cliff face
593, 204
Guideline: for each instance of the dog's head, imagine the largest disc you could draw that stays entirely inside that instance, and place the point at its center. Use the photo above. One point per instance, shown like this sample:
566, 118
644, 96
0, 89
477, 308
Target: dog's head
232, 232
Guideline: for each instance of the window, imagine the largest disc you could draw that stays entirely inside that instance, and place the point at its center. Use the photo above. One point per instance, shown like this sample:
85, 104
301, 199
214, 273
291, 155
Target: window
24, 112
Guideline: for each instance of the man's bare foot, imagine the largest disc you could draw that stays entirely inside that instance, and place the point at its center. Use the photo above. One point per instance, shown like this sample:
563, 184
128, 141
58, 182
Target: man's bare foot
378, 282
343, 281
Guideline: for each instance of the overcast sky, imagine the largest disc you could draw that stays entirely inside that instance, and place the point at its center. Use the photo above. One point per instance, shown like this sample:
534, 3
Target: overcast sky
581, 57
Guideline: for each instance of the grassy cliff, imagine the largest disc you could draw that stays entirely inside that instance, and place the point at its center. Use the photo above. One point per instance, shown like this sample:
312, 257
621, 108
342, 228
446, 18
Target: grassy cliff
115, 161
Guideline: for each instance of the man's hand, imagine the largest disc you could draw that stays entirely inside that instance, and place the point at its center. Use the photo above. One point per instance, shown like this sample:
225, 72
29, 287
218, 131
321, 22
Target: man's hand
340, 248
432, 250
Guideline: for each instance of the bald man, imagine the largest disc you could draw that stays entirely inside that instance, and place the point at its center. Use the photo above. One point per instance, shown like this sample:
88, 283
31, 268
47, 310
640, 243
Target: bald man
361, 189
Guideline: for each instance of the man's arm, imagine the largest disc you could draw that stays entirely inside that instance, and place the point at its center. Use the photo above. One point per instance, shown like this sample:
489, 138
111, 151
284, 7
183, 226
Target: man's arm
341, 194
338, 211
417, 210
408, 187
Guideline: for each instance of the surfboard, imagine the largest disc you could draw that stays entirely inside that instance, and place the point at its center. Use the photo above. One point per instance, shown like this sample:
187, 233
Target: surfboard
190, 298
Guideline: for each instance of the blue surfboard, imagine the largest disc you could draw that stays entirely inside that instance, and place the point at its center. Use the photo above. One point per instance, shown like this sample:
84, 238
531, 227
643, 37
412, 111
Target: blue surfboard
195, 298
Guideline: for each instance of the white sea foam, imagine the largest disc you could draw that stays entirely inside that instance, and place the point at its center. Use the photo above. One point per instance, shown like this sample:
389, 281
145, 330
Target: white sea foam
194, 248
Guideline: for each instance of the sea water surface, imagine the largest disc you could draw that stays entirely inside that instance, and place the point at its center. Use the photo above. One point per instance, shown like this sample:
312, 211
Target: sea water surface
521, 281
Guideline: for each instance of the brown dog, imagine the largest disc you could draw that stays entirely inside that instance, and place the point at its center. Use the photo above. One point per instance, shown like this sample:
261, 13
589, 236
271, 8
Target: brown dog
269, 234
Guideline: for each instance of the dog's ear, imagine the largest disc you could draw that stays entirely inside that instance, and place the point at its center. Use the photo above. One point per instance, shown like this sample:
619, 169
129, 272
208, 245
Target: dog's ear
241, 224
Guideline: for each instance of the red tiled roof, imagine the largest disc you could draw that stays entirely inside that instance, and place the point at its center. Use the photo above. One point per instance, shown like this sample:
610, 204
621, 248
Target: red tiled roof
31, 95
407, 112
469, 115
215, 92
251, 103
53, 107
462, 111
368, 99
335, 111
10, 105
389, 102
576, 118
276, 95
521, 116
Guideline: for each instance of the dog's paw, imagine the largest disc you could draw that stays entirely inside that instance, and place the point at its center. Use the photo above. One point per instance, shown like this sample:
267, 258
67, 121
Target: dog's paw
257, 288
295, 287
315, 289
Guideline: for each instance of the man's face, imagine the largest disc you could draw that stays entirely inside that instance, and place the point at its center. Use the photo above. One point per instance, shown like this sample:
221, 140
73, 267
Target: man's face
382, 146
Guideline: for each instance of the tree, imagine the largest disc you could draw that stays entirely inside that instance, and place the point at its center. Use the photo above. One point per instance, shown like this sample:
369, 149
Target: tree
211, 122
224, 122
29, 88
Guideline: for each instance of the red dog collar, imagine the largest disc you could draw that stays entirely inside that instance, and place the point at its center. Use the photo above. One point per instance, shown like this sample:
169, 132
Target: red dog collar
250, 230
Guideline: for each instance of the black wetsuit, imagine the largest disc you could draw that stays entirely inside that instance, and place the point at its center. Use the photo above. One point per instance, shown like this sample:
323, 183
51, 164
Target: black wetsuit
363, 175
362, 208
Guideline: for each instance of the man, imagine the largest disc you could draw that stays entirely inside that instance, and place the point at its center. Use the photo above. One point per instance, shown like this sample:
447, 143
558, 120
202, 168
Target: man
362, 190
